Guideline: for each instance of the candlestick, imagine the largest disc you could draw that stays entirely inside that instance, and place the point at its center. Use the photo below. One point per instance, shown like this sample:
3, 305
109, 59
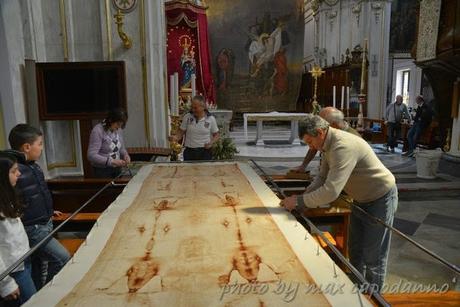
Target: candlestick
316, 72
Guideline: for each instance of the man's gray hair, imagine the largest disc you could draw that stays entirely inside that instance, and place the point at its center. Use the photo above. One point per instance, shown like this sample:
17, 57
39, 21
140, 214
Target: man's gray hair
200, 99
311, 124
336, 116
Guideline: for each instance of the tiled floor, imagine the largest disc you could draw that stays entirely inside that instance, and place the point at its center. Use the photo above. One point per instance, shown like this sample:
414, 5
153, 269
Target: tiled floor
428, 210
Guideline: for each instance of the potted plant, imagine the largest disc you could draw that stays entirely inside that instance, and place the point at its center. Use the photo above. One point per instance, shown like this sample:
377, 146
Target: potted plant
224, 149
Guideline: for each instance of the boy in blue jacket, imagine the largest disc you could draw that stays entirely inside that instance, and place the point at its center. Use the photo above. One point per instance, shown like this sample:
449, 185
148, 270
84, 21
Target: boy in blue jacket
38, 211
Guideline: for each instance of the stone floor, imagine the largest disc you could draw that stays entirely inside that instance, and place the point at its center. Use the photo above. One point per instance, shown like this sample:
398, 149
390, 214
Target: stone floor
428, 210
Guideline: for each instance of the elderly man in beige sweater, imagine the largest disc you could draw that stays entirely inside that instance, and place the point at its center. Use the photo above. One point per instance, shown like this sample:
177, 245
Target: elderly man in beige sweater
350, 164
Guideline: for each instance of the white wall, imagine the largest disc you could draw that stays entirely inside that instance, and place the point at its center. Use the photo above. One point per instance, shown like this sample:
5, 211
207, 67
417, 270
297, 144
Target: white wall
346, 24
80, 30
309, 36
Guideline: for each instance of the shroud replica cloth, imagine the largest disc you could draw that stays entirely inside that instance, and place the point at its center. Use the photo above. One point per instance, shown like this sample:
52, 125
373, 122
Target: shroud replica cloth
207, 234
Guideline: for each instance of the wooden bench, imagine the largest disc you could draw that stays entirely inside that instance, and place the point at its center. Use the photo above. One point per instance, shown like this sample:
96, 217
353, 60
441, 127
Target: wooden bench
69, 193
428, 139
80, 217
328, 236
72, 244
375, 137
337, 216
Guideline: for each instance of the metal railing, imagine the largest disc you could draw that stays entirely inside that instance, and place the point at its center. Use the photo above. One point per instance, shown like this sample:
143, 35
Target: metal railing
33, 249
304, 221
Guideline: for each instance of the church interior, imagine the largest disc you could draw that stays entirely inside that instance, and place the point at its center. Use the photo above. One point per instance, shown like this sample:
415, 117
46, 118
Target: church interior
229, 153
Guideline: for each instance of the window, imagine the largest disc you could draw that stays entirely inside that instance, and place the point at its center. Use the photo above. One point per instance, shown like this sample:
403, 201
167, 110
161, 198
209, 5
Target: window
405, 86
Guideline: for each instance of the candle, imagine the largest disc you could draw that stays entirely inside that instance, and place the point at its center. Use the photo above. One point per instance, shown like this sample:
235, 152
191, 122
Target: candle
363, 69
348, 99
171, 93
333, 96
193, 85
176, 94
342, 98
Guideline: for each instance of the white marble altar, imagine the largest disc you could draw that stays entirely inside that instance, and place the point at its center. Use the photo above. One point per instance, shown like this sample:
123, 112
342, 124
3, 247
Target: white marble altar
274, 116
223, 118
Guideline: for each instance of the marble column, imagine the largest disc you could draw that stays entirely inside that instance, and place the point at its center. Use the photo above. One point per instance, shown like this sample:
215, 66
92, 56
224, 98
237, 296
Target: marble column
156, 71
11, 63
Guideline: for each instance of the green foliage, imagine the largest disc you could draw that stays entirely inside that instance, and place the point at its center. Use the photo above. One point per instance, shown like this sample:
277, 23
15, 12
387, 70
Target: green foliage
224, 149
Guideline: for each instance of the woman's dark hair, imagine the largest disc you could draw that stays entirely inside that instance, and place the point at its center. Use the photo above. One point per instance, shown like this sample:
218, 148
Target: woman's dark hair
10, 207
115, 116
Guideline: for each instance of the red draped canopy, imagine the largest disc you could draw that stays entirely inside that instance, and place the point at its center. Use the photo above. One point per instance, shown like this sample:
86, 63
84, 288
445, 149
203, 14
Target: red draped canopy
188, 25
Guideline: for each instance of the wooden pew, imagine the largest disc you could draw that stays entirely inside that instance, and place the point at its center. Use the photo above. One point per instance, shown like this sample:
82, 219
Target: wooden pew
69, 193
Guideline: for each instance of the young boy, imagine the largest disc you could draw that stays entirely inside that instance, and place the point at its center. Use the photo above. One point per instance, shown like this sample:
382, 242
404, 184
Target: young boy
38, 211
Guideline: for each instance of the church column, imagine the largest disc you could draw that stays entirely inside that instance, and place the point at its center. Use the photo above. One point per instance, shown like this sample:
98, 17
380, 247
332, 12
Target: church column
11, 63
379, 38
155, 58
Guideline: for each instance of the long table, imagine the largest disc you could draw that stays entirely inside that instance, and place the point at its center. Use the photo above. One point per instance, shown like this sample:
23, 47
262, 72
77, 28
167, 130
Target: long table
204, 234
273, 116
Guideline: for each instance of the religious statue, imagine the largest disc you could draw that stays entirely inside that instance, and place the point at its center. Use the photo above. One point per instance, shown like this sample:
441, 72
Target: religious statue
187, 61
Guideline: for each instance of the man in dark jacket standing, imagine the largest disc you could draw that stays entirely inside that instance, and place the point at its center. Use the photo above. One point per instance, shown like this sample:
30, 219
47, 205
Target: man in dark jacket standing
422, 120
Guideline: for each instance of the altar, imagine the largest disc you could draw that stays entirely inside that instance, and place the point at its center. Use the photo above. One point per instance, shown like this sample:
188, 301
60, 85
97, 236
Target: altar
199, 234
223, 119
274, 116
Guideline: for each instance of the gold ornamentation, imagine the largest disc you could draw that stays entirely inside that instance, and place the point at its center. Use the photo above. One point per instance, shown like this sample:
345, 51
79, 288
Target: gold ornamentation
316, 72
315, 7
185, 41
174, 145
447, 145
119, 16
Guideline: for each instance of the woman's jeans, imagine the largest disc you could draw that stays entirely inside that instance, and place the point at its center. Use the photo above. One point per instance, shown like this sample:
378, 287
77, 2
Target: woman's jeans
52, 253
369, 242
25, 283
413, 135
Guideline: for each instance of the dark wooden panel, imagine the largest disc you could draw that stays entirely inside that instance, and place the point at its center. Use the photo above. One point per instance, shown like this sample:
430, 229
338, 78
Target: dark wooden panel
70, 194
42, 102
